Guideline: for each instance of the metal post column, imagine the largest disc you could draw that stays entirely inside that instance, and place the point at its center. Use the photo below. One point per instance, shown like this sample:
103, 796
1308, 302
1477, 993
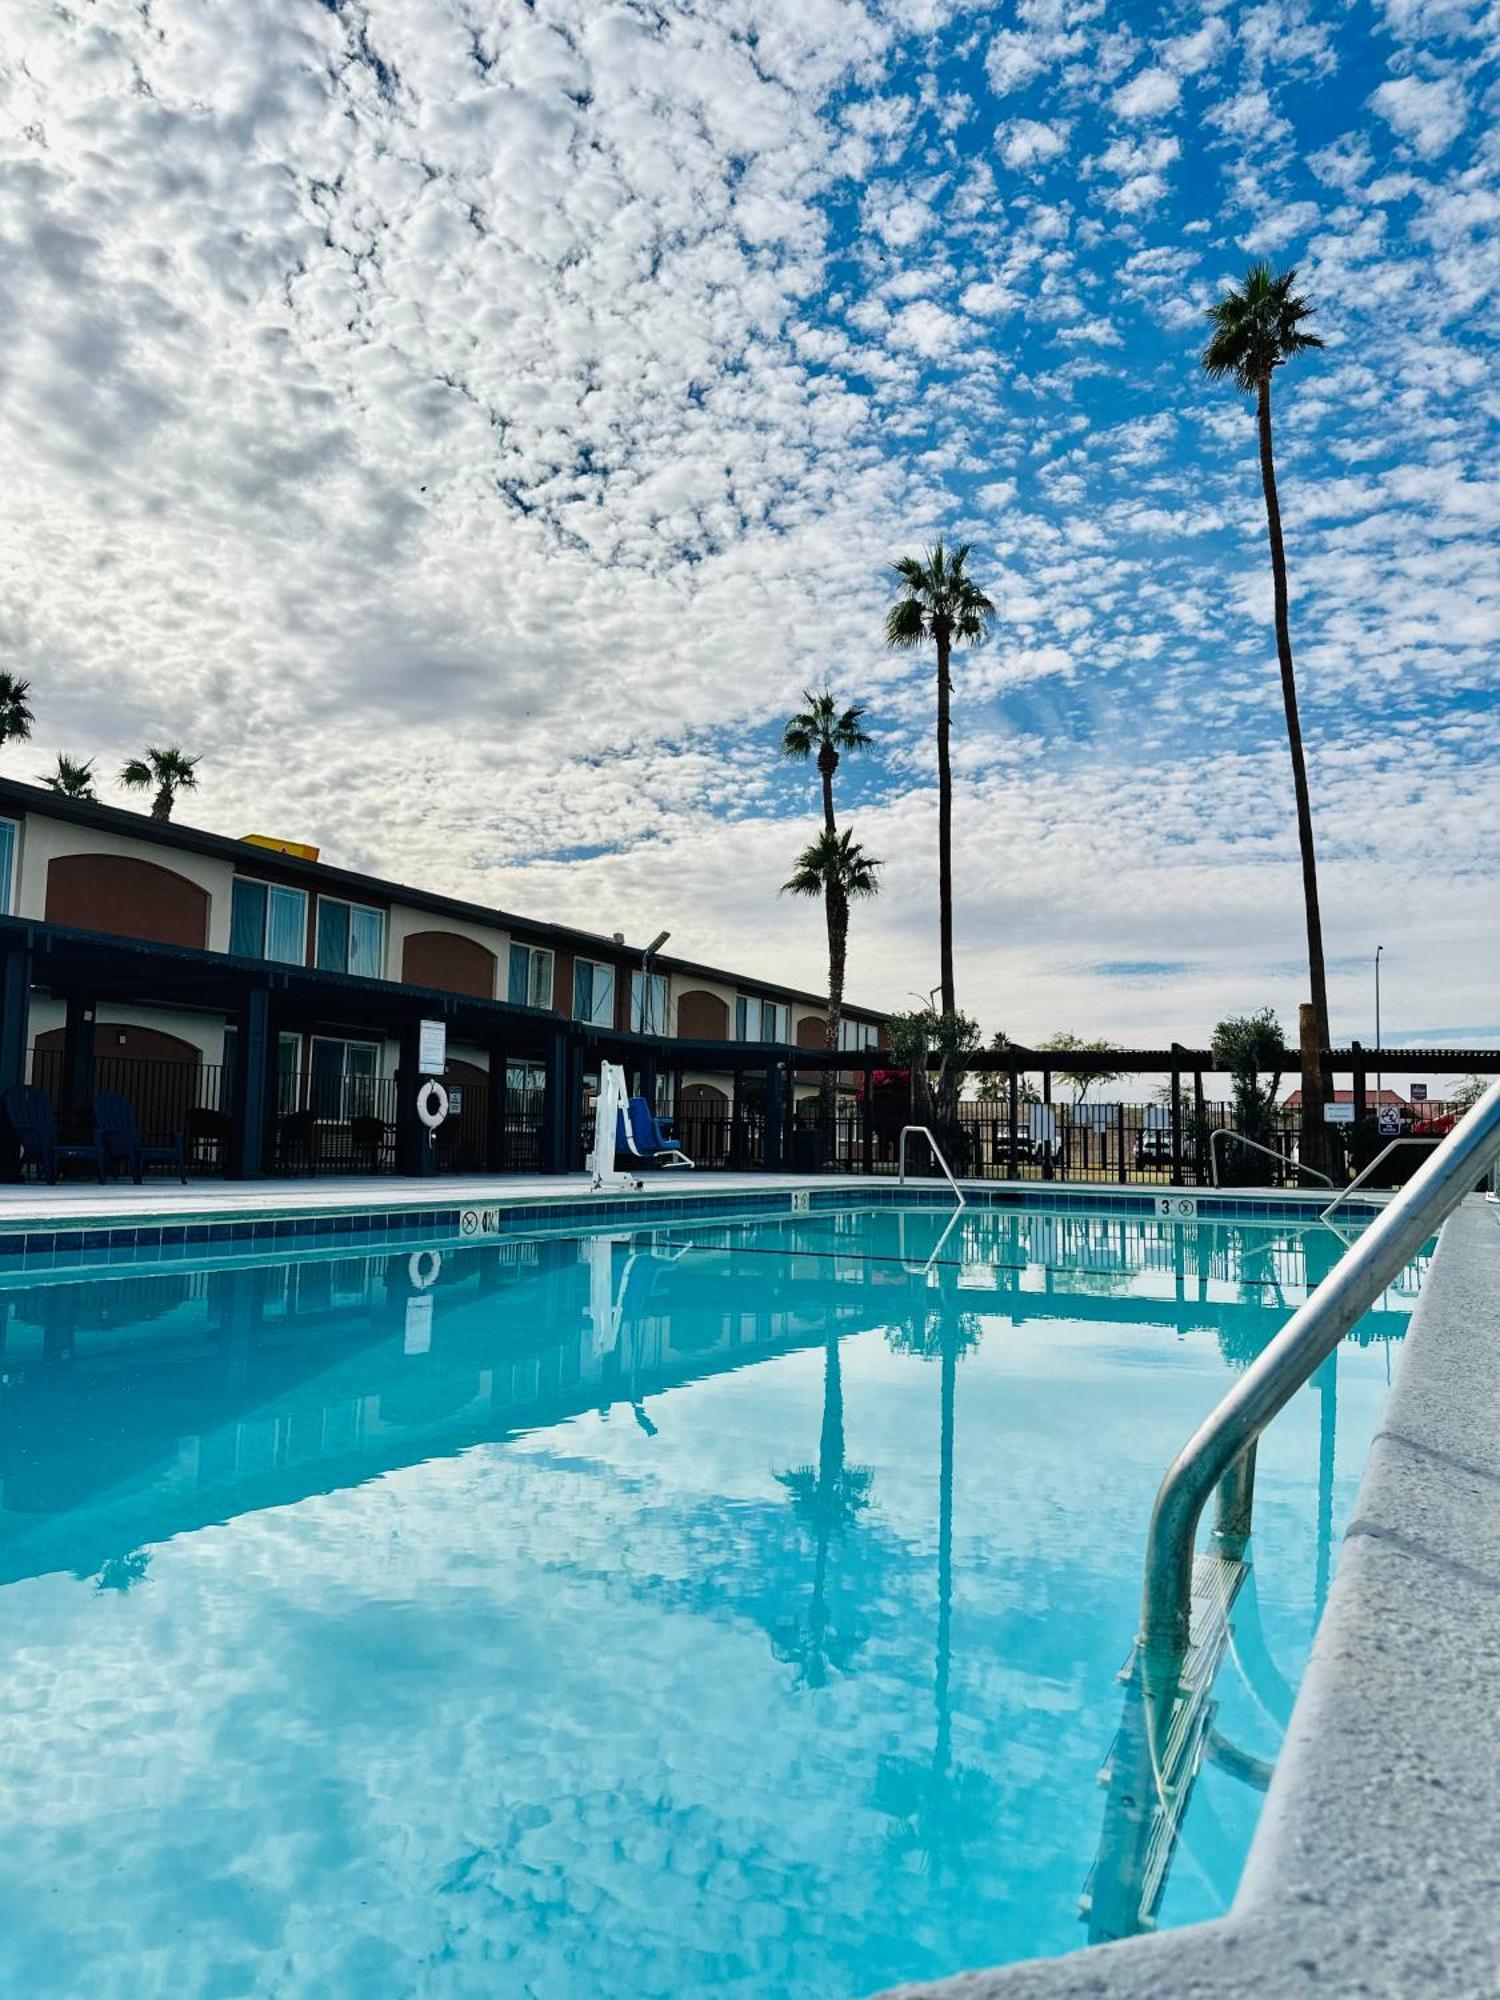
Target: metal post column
78, 1055
254, 1074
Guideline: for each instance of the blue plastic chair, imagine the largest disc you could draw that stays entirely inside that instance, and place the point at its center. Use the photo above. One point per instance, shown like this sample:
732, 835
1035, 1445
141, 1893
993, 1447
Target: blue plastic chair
120, 1136
34, 1122
647, 1137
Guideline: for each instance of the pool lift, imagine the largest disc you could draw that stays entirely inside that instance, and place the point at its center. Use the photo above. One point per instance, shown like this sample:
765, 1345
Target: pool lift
611, 1109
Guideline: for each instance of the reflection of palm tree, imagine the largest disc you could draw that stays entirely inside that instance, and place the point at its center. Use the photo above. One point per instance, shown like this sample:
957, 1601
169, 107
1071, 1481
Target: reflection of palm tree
827, 1498
120, 1572
943, 1804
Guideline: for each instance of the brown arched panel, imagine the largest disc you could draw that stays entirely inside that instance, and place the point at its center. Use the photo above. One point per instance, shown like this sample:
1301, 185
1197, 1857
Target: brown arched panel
704, 1095
158, 1072
702, 1017
449, 962
812, 1032
131, 898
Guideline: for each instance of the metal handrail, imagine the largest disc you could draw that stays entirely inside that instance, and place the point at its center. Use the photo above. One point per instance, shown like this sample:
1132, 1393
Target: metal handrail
937, 1154
1222, 1449
1281, 1159
1407, 1139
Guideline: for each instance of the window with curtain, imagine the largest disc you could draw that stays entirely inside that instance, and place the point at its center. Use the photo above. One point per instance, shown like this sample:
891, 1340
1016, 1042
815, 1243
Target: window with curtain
530, 978
761, 1020
648, 1003
9, 843
267, 921
593, 993
857, 1035
351, 938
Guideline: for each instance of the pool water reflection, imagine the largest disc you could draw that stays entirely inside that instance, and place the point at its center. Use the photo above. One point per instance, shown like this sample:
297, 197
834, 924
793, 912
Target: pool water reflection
724, 1609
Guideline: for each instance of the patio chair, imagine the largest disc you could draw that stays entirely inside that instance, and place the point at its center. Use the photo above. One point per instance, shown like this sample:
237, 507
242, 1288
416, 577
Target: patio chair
297, 1140
114, 1116
646, 1137
34, 1123
208, 1133
367, 1138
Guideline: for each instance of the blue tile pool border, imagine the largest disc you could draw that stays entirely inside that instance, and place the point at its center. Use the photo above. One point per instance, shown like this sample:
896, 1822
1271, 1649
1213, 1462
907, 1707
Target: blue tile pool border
92, 1242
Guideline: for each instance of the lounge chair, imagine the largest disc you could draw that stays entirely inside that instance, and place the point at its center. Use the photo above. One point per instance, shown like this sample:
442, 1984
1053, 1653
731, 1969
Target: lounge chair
114, 1116
34, 1123
646, 1137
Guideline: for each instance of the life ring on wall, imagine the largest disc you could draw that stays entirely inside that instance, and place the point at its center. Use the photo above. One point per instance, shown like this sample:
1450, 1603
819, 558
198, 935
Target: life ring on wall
432, 1104
424, 1268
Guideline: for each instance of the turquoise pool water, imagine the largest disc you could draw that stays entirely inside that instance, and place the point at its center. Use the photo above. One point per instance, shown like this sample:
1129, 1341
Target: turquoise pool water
706, 1609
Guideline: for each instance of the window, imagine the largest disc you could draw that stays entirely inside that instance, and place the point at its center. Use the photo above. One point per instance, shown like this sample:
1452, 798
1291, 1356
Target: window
761, 1020
530, 976
648, 1003
351, 938
342, 1079
288, 1067
593, 992
268, 922
9, 844
858, 1035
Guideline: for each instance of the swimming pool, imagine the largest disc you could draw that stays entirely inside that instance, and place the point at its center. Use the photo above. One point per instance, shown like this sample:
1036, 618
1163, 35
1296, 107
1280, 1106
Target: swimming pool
677, 1609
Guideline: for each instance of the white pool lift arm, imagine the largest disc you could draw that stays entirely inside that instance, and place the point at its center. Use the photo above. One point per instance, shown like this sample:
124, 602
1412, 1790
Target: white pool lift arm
611, 1107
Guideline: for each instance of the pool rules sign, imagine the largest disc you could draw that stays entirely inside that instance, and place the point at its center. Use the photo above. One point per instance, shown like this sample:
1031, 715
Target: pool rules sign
432, 1047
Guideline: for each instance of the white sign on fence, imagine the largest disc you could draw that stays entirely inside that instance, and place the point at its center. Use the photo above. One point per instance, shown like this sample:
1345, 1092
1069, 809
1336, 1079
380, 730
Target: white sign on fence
432, 1047
1338, 1114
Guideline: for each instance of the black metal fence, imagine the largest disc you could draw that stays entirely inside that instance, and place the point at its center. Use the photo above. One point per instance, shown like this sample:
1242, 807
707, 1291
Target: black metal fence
327, 1122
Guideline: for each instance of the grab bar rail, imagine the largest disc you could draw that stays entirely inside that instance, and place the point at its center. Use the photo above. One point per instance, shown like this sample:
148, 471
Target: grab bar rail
937, 1154
1221, 1452
1281, 1159
1365, 1172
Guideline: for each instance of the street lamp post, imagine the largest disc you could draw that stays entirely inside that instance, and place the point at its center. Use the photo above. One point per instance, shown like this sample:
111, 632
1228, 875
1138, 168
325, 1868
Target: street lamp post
648, 1009
1379, 1078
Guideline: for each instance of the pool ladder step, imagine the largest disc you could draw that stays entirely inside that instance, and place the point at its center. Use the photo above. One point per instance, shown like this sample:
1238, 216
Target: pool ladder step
1146, 1801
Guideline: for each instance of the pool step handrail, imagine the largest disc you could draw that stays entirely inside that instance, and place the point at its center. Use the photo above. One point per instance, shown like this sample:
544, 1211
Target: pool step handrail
937, 1154
1406, 1139
1282, 1159
1221, 1452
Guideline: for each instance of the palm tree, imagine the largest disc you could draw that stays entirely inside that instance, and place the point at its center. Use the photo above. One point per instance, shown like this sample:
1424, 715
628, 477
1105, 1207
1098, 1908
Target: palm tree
942, 604
827, 1497
169, 770
836, 868
1255, 331
15, 711
827, 731
73, 779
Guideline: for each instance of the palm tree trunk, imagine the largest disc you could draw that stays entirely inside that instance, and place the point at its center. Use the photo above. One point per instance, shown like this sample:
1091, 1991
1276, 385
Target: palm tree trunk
945, 828
161, 805
828, 763
836, 909
1312, 1088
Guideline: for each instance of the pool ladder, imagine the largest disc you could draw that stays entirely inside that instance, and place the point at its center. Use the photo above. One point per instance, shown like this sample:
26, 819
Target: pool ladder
937, 1154
1219, 1458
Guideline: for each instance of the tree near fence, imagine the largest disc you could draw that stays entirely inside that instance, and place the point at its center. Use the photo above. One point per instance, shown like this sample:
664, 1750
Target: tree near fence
916, 1038
1065, 1043
1248, 1048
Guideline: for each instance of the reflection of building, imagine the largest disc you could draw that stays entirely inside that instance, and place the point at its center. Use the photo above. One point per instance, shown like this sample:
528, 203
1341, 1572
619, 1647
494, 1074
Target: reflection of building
252, 1387
349, 964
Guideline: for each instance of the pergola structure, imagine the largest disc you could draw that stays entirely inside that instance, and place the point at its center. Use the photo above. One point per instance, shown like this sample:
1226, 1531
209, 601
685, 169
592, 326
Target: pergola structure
261, 999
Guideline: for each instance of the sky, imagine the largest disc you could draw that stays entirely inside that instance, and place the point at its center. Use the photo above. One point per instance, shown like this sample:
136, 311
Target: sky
468, 428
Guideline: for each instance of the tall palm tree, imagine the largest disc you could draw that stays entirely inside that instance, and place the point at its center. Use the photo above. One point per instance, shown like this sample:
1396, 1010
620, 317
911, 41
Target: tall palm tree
827, 1496
73, 779
1255, 331
826, 731
15, 711
942, 604
836, 868
171, 771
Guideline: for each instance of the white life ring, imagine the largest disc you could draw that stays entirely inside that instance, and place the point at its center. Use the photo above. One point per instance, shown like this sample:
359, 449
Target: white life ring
424, 1268
432, 1104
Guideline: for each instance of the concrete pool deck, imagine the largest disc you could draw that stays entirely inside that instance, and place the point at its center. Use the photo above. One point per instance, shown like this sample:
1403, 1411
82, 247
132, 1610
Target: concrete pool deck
1375, 1869
31, 1205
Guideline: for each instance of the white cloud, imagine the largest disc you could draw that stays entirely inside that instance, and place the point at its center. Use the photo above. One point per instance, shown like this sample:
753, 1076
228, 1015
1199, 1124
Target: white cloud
1028, 142
1149, 94
1430, 115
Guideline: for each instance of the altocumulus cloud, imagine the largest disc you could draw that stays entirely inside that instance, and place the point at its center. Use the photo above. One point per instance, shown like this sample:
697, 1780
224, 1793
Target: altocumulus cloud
469, 427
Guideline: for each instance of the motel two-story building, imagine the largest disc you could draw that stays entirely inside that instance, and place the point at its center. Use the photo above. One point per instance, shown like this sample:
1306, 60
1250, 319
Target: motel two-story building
273, 1003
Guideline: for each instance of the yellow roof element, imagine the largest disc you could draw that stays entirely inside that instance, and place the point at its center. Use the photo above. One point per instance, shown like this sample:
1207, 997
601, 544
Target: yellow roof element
297, 847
